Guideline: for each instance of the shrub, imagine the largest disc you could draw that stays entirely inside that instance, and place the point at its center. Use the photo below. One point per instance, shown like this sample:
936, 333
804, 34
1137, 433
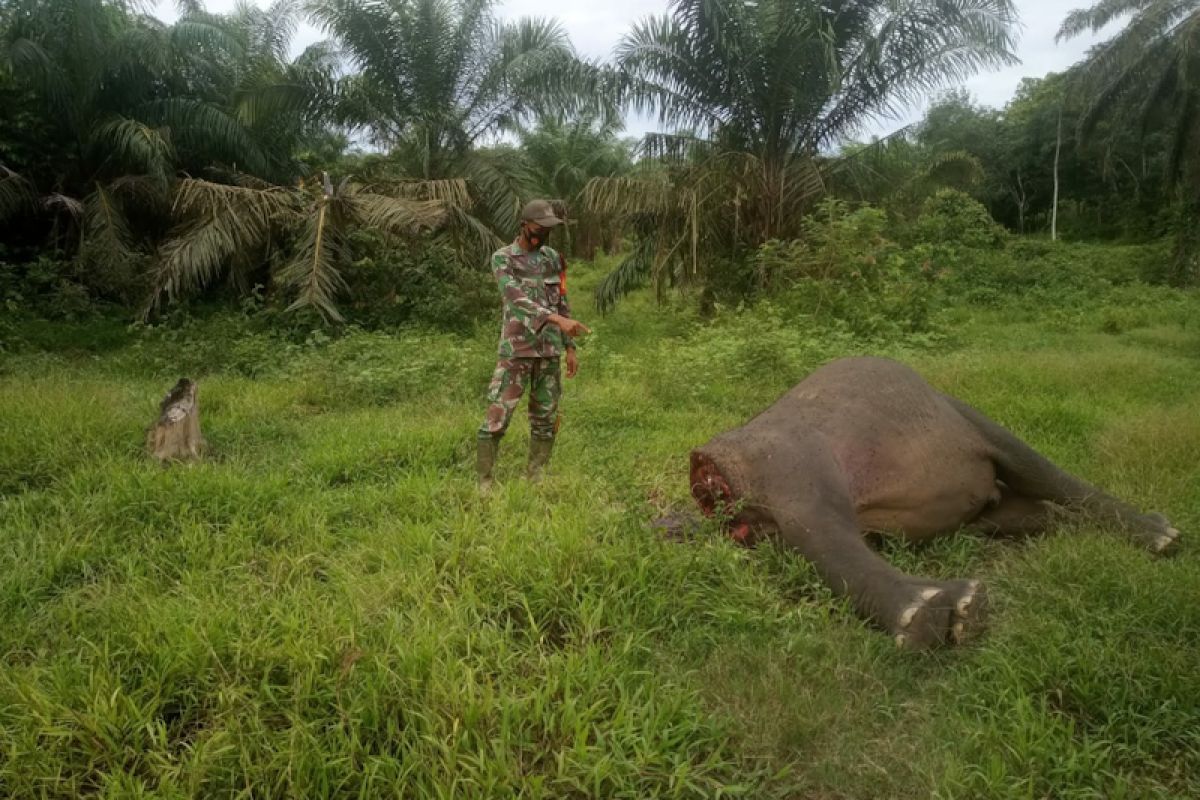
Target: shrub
46, 286
847, 271
956, 219
423, 282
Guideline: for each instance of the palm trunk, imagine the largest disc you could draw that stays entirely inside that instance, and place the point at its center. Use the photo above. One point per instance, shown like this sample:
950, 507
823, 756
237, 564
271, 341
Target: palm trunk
1020, 197
1054, 202
1185, 260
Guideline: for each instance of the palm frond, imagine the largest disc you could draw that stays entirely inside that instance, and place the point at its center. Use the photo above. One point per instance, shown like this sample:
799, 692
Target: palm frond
499, 182
448, 191
205, 127
314, 273
17, 195
135, 146
57, 203
31, 63
218, 226
627, 195
628, 276
1093, 19
471, 237
395, 215
108, 240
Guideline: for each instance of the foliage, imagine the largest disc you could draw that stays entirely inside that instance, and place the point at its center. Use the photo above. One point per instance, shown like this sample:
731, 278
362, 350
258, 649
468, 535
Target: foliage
46, 286
954, 219
845, 270
437, 80
420, 281
129, 103
1144, 74
745, 167
563, 157
326, 607
899, 173
302, 233
1109, 185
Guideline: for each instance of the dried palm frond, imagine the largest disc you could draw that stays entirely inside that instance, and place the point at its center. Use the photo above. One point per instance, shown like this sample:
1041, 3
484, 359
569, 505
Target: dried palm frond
449, 191
322, 246
396, 216
57, 203
219, 226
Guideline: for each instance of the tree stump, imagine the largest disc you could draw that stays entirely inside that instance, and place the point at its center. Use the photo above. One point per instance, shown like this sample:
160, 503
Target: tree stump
175, 435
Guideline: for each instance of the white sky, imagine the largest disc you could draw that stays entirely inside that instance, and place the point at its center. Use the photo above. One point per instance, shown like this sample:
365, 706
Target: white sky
595, 26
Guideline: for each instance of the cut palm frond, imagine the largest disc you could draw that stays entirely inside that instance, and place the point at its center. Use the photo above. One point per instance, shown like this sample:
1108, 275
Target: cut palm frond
314, 273
397, 216
230, 230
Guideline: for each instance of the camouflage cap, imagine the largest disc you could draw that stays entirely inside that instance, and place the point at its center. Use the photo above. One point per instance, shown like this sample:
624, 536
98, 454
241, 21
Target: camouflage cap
541, 212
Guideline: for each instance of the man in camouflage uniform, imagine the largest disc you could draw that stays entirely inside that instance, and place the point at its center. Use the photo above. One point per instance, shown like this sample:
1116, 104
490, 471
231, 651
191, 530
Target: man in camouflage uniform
537, 329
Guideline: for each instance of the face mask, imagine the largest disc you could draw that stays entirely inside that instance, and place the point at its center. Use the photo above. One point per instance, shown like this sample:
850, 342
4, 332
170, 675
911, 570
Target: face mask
537, 239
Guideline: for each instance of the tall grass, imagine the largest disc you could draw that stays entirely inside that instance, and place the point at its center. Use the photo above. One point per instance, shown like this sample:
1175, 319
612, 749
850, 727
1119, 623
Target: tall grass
325, 607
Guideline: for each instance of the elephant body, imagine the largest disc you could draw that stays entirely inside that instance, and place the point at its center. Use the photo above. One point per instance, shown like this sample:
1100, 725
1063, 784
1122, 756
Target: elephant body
866, 445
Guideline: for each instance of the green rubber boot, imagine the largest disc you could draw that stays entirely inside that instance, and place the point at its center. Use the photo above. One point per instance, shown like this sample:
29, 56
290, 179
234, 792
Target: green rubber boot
539, 456
485, 460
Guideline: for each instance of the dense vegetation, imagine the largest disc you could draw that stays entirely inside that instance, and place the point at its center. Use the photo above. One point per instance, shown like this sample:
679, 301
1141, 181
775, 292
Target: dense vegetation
143, 164
325, 607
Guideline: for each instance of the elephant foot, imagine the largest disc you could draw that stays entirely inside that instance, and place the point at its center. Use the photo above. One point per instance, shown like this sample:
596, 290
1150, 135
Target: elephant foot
941, 612
1161, 538
925, 620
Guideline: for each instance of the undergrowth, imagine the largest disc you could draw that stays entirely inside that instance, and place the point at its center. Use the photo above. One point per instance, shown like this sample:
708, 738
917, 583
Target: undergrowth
325, 607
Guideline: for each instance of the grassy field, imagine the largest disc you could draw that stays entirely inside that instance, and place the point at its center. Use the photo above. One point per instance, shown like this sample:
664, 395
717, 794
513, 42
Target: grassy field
325, 607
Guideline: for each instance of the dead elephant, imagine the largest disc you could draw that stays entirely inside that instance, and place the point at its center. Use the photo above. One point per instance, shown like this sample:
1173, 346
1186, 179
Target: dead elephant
866, 445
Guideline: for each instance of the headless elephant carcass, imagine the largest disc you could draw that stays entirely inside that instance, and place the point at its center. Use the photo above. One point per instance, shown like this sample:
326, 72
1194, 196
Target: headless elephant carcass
175, 435
865, 445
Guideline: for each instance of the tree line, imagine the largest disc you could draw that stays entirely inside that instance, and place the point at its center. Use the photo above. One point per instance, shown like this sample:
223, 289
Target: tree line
161, 161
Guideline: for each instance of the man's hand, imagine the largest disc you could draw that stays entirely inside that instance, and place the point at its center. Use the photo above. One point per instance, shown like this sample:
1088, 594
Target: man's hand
571, 327
572, 362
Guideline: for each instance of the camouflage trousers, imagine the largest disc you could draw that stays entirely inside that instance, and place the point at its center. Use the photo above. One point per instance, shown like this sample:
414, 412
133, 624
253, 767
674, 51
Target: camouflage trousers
512, 376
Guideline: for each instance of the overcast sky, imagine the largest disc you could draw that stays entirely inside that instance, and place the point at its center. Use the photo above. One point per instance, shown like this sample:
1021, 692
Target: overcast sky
595, 26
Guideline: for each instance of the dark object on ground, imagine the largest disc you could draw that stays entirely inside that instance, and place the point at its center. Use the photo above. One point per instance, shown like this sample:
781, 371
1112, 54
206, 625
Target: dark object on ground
175, 435
866, 445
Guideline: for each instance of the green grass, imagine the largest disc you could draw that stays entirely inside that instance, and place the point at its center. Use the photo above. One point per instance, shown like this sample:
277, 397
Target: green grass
326, 608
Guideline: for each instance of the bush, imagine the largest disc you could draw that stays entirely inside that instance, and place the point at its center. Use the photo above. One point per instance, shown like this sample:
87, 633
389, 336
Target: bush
953, 218
424, 282
846, 270
838, 242
46, 286
1054, 271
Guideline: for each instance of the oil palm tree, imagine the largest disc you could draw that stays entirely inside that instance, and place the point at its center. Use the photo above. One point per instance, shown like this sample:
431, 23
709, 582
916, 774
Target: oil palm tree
132, 103
760, 90
564, 155
1147, 77
438, 80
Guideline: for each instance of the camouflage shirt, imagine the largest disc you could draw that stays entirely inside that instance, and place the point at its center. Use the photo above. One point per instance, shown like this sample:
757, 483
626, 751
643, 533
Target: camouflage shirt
531, 288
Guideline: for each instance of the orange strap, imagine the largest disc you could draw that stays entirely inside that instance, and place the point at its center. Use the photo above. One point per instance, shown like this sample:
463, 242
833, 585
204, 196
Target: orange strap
562, 273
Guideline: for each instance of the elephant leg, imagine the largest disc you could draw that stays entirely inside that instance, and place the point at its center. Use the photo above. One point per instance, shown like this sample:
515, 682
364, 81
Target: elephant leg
918, 613
1033, 477
1015, 516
